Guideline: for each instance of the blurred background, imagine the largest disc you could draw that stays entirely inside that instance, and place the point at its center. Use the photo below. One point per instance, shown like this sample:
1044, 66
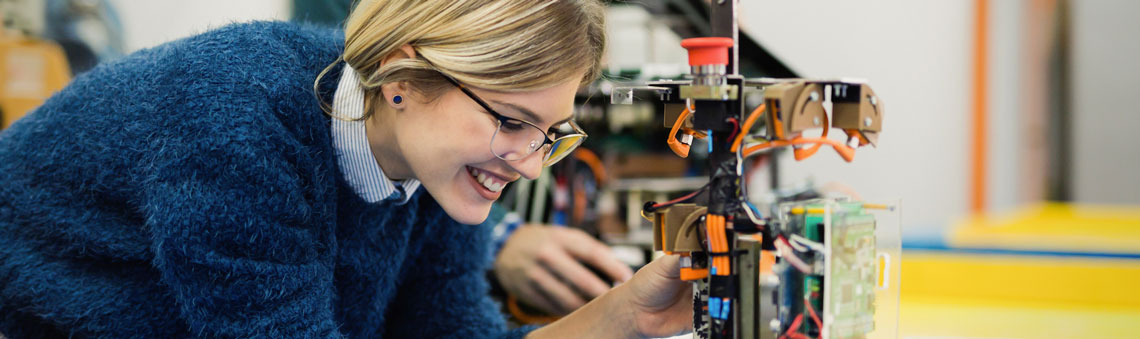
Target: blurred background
1006, 135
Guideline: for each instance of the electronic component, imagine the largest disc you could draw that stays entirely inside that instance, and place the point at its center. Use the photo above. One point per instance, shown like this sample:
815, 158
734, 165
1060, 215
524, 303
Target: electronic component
830, 269
836, 241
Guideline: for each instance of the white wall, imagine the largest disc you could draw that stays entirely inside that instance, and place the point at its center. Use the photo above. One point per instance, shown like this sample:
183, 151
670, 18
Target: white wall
1105, 70
148, 23
637, 40
1006, 140
916, 55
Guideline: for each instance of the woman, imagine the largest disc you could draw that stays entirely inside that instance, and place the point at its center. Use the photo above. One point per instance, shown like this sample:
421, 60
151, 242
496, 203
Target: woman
202, 188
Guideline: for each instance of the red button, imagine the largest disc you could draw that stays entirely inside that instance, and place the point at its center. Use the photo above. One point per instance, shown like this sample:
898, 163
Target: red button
707, 51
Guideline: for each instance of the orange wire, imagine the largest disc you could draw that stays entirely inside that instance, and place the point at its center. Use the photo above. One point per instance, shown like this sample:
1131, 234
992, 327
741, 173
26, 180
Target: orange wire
718, 234
593, 162
847, 153
680, 149
726, 261
695, 133
718, 242
795, 326
771, 144
805, 153
717, 262
579, 212
513, 307
777, 124
756, 113
811, 310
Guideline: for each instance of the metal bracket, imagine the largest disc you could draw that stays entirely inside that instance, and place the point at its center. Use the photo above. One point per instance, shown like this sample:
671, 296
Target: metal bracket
624, 95
705, 92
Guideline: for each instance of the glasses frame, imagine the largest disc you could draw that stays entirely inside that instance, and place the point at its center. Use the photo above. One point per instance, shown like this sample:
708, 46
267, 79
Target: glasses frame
503, 119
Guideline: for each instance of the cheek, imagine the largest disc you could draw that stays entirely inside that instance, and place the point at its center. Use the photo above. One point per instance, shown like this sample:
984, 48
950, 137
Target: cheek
467, 135
448, 140
478, 138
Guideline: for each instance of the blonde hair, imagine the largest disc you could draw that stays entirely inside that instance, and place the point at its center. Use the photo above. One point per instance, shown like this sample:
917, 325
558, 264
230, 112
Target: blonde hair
501, 45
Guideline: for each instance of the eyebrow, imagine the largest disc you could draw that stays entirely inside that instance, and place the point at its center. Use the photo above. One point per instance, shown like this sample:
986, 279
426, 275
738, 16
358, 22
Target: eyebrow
530, 114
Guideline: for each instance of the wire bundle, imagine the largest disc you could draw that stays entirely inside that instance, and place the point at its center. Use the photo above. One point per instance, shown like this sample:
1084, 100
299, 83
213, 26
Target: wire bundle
789, 255
718, 243
846, 152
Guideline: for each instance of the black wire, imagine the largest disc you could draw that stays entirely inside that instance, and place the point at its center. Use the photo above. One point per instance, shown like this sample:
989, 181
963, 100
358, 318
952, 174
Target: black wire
652, 206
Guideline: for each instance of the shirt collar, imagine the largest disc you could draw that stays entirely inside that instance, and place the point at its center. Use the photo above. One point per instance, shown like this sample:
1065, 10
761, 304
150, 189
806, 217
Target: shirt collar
354, 155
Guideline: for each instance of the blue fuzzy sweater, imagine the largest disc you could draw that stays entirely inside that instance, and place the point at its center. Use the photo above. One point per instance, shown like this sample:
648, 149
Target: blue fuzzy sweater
192, 190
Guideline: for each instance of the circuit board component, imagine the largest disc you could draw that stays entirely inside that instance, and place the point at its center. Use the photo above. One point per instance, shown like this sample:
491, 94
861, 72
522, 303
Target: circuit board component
829, 270
852, 271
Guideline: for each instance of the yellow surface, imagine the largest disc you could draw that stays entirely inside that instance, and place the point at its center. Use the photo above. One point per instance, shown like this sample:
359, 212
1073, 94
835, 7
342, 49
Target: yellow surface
963, 318
30, 72
957, 294
948, 294
1054, 227
1094, 282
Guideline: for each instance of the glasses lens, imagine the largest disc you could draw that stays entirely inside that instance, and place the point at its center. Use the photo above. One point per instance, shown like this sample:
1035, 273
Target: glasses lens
562, 147
516, 139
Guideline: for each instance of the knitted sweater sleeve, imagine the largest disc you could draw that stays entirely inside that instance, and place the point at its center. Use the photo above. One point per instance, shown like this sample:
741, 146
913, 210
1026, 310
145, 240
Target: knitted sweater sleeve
242, 233
446, 295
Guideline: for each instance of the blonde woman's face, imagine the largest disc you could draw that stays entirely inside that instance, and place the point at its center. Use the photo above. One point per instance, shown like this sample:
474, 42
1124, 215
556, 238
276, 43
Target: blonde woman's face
446, 144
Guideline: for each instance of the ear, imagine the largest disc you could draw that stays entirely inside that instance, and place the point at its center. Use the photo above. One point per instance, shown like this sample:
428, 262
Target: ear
404, 52
391, 90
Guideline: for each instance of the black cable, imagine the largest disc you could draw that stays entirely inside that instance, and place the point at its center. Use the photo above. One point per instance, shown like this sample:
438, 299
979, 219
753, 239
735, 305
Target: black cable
653, 206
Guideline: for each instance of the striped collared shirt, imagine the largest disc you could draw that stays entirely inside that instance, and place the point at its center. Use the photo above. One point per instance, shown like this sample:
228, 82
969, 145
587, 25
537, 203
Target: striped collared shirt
354, 155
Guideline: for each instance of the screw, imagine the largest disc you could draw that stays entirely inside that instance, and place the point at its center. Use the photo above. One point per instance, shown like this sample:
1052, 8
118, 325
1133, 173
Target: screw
867, 121
874, 102
815, 121
814, 96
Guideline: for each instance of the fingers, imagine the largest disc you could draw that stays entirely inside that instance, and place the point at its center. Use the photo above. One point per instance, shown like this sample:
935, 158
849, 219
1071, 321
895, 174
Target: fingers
668, 266
568, 268
658, 285
553, 288
661, 274
531, 295
593, 252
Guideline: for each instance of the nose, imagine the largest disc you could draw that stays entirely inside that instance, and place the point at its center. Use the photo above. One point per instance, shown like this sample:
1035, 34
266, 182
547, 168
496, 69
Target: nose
529, 167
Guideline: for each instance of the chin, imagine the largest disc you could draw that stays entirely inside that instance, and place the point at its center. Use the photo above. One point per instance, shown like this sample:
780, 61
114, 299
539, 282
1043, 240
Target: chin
468, 201
469, 215
462, 197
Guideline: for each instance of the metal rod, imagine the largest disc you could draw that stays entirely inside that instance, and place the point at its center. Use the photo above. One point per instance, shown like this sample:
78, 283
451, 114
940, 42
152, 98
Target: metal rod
723, 21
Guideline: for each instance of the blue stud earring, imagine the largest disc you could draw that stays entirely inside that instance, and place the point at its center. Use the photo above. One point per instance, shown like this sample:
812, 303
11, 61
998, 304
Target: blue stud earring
397, 99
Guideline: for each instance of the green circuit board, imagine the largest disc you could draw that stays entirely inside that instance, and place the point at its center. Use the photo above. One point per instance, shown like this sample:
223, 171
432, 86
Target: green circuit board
852, 274
842, 289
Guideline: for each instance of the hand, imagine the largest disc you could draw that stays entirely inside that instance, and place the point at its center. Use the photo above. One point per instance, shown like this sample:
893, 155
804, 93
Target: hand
543, 267
662, 302
654, 303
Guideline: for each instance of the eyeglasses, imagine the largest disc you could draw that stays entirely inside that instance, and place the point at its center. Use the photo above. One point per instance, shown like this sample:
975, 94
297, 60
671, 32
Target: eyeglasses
515, 139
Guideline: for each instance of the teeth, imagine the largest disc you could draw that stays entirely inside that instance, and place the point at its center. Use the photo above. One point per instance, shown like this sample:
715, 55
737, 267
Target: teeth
491, 185
487, 181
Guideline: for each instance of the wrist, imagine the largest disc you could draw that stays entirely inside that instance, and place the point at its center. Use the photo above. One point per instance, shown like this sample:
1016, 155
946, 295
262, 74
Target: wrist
624, 312
607, 316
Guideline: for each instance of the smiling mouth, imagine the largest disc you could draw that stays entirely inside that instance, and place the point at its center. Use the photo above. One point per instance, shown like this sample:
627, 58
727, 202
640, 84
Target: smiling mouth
489, 181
